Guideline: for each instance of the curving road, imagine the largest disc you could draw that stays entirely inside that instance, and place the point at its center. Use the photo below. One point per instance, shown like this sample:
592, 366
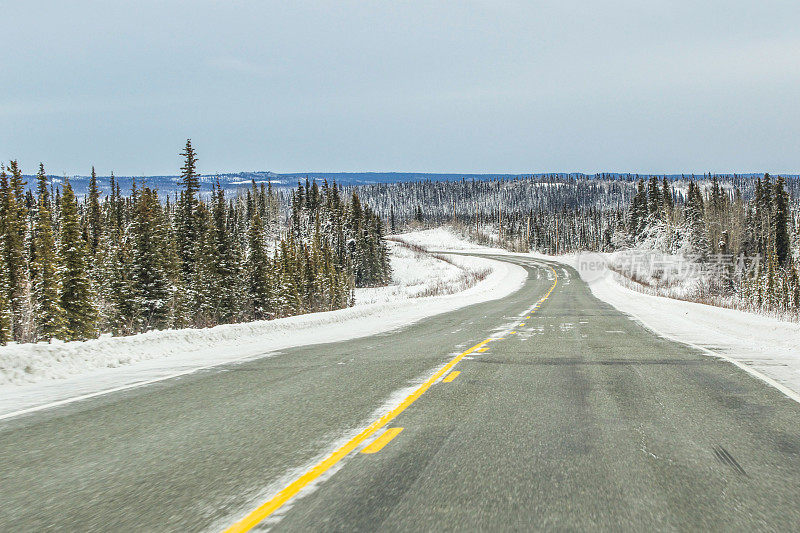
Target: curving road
575, 418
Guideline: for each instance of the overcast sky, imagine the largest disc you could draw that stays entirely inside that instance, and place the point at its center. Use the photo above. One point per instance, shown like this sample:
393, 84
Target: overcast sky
482, 86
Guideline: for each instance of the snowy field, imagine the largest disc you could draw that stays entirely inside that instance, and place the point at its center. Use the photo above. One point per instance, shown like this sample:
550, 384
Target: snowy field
766, 347
34, 376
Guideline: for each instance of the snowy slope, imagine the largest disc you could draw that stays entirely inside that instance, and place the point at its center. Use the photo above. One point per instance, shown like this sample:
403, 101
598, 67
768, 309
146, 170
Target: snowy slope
35, 375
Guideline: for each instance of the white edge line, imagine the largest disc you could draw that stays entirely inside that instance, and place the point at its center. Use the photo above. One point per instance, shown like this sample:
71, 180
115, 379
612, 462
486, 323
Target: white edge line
66, 401
750, 370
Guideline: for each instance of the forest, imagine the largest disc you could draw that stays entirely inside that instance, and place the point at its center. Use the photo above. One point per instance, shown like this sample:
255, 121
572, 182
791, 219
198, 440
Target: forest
72, 269
724, 239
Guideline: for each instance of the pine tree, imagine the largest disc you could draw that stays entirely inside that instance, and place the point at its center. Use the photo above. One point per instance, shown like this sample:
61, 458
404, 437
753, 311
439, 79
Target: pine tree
794, 288
666, 195
654, 200
14, 219
187, 231
258, 268
697, 236
5, 305
49, 318
149, 283
227, 260
780, 221
205, 286
76, 291
93, 218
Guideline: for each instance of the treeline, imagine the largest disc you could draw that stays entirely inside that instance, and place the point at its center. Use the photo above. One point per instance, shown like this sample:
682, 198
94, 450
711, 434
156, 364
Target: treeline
72, 269
740, 231
551, 214
750, 246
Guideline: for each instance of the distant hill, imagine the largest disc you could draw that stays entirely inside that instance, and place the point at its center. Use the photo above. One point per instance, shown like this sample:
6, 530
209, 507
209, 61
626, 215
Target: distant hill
238, 180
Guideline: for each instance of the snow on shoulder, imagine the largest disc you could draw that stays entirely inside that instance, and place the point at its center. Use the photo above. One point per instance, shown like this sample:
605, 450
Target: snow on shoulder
761, 345
423, 285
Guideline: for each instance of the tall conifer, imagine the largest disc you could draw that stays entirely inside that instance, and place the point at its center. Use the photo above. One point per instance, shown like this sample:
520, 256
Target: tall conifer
76, 290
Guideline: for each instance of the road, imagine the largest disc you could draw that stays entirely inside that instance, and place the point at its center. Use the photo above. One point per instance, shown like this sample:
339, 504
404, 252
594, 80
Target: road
575, 418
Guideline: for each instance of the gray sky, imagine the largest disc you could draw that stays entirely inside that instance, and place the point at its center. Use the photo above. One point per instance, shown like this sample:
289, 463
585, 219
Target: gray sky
482, 86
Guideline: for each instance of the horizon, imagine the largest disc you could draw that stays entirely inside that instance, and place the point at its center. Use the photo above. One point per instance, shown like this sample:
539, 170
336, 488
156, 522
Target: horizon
432, 87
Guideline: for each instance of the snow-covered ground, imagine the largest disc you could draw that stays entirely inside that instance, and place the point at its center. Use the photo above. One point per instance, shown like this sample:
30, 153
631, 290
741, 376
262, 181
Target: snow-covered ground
34, 376
416, 274
764, 346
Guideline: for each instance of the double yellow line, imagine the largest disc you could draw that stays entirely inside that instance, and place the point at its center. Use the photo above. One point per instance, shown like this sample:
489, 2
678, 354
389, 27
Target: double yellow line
252, 519
258, 515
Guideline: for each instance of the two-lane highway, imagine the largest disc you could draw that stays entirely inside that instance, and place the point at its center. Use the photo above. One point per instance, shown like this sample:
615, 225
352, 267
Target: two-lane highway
572, 417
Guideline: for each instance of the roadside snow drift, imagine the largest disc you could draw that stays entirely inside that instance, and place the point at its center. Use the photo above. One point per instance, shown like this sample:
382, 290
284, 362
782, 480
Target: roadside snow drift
37, 374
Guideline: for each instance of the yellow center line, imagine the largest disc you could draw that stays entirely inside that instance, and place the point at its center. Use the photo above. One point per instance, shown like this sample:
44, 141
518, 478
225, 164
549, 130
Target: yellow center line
522, 324
454, 374
267, 508
382, 441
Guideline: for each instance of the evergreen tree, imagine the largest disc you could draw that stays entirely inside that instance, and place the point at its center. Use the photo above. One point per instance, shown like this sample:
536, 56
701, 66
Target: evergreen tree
149, 282
780, 221
226, 260
258, 268
76, 290
654, 200
205, 286
14, 220
5, 306
666, 194
187, 220
695, 225
49, 319
93, 218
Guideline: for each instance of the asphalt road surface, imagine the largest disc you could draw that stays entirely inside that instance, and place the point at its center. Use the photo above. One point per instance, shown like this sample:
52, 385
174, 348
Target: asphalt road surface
576, 418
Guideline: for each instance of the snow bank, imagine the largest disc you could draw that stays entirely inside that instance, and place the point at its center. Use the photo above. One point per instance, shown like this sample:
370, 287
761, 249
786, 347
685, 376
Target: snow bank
37, 374
765, 345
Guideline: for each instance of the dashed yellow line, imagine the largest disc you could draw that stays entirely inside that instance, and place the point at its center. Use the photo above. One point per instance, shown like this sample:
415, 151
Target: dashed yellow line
454, 374
382, 441
521, 325
483, 349
263, 511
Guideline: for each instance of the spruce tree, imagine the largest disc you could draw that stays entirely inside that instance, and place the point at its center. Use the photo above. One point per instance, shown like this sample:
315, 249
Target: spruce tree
5, 305
205, 286
258, 272
14, 220
187, 222
93, 216
149, 283
48, 315
780, 221
226, 259
76, 290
